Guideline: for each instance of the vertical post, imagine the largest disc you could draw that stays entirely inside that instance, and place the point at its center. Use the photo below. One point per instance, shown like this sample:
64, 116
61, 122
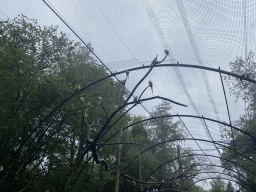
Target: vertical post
101, 169
180, 169
119, 147
232, 132
87, 139
118, 156
140, 175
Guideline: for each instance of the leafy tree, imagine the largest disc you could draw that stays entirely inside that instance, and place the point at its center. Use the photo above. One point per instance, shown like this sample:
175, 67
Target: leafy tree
42, 139
138, 135
243, 144
161, 130
196, 188
242, 88
230, 188
217, 185
48, 117
165, 129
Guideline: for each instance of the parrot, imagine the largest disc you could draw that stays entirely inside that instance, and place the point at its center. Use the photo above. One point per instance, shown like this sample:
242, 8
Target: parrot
82, 99
150, 84
242, 76
78, 87
127, 73
123, 82
2, 31
100, 100
166, 52
154, 61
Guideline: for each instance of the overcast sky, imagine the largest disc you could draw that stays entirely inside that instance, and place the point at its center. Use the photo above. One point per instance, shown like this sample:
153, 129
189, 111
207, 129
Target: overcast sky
127, 34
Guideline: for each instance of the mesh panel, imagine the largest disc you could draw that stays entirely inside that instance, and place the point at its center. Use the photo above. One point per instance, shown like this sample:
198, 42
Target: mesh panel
127, 34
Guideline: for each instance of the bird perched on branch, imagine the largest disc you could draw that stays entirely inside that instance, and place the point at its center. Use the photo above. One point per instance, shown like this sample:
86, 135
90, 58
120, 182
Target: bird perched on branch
77, 88
154, 61
127, 73
150, 84
242, 76
123, 82
178, 62
82, 99
135, 98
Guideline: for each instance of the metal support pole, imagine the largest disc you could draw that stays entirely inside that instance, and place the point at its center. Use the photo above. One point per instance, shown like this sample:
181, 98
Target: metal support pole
180, 169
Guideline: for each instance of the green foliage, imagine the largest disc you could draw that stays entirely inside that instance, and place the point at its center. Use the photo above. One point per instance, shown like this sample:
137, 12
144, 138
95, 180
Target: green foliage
151, 133
196, 188
138, 134
217, 185
40, 69
243, 143
161, 130
242, 88
47, 117
229, 187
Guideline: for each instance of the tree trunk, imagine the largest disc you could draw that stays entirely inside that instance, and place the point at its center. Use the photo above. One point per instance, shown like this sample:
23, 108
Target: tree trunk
140, 175
180, 169
72, 150
118, 156
101, 169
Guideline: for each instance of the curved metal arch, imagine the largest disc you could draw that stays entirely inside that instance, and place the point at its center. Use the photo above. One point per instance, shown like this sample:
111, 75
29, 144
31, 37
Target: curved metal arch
212, 165
186, 66
220, 173
242, 77
193, 116
148, 66
208, 172
191, 139
162, 65
208, 179
202, 156
188, 116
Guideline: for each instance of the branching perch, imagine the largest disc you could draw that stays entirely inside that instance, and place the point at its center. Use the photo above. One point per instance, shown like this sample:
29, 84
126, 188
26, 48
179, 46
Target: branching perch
157, 97
116, 143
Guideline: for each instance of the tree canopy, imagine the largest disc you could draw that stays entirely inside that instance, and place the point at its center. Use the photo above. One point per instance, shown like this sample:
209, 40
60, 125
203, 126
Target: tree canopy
243, 145
58, 134
42, 138
217, 185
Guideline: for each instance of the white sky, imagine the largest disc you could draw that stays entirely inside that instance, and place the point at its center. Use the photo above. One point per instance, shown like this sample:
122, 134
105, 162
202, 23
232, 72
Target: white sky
127, 34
